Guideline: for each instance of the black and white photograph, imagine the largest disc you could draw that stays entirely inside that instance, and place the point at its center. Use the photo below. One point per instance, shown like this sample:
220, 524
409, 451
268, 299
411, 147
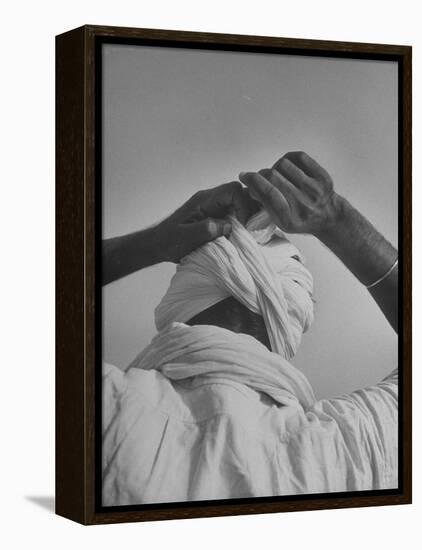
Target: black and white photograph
250, 274
210, 237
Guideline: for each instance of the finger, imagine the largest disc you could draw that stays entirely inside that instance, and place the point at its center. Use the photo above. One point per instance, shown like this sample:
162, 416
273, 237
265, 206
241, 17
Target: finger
266, 193
309, 165
231, 198
296, 175
204, 231
292, 193
243, 205
206, 203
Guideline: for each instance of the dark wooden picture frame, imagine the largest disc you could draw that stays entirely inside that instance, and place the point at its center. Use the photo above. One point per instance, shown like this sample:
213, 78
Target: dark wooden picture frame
78, 309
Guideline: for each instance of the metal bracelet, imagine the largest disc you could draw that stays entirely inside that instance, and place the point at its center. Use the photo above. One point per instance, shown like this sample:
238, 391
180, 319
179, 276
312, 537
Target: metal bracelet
385, 274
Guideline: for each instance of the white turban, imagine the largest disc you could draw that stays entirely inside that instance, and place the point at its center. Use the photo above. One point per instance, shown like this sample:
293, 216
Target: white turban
256, 266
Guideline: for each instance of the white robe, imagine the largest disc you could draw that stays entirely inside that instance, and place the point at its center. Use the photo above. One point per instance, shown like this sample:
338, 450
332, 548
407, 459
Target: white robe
205, 414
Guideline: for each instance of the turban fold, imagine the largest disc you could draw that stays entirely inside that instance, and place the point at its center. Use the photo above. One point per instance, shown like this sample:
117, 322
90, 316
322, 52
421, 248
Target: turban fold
258, 266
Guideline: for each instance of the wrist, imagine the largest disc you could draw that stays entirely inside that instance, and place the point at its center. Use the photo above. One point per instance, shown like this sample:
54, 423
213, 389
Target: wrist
158, 250
337, 212
129, 253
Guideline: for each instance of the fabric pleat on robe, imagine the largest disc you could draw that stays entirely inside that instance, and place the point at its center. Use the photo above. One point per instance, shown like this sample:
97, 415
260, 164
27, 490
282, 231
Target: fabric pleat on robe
205, 414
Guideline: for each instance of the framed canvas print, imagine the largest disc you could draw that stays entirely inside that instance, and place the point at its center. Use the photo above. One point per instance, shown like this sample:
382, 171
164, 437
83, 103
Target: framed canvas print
233, 274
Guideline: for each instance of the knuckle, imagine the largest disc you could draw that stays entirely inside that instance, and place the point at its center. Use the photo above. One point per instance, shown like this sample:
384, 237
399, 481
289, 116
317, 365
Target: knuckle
328, 184
272, 175
234, 186
198, 195
265, 172
268, 191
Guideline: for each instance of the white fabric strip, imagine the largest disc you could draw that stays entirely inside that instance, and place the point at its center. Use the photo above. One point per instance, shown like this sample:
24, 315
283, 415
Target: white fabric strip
256, 266
181, 352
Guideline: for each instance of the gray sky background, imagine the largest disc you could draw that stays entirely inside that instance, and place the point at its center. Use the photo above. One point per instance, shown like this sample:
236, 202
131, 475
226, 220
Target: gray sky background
179, 120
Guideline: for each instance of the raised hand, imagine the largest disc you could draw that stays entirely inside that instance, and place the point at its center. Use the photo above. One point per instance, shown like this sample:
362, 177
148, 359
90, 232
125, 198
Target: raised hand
201, 219
198, 221
297, 192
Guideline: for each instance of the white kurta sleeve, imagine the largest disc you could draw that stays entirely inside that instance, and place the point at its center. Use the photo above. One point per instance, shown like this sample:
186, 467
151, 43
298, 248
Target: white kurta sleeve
366, 426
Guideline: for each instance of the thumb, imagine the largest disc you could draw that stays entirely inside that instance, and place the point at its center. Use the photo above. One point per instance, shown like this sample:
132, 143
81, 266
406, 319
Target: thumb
207, 230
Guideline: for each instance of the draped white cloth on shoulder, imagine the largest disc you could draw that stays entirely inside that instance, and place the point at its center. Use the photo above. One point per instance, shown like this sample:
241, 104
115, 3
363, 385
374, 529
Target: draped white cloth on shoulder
257, 266
205, 413
181, 352
260, 267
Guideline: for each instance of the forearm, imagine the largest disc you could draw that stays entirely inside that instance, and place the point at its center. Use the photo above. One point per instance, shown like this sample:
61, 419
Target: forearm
124, 255
366, 253
199, 220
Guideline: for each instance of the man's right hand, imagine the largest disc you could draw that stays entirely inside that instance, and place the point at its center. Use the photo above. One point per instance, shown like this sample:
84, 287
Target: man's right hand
199, 220
202, 219
297, 192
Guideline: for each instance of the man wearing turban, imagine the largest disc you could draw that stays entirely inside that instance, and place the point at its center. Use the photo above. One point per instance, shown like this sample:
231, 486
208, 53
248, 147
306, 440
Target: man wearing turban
212, 408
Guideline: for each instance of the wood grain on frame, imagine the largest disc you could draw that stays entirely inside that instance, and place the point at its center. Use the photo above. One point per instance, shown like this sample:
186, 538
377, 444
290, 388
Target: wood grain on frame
78, 353
71, 421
